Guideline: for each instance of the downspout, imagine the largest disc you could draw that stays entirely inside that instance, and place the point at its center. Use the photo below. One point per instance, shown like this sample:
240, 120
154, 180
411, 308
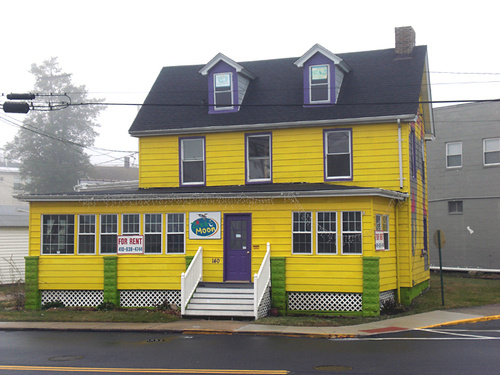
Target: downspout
400, 156
398, 281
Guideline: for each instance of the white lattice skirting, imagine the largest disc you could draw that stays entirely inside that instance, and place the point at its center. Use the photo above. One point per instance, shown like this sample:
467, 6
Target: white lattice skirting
128, 298
388, 295
149, 298
265, 304
305, 301
80, 298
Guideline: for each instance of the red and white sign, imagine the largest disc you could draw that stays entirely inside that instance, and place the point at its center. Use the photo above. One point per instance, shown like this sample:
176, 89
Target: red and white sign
130, 245
379, 240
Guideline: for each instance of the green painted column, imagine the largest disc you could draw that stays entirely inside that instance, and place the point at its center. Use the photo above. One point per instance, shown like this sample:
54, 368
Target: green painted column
33, 299
278, 284
371, 286
110, 291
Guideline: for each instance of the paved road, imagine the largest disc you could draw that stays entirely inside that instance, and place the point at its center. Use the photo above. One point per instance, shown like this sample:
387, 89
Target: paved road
461, 349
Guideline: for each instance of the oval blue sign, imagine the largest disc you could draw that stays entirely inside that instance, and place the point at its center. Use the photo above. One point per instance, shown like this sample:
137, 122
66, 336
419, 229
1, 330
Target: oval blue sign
204, 227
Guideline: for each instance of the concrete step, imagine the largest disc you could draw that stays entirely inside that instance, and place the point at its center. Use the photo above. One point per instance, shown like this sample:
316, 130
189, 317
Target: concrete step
203, 294
212, 307
224, 291
230, 313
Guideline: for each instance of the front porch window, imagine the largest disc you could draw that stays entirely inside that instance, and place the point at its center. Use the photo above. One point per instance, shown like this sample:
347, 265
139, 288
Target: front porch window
352, 238
58, 234
86, 234
302, 233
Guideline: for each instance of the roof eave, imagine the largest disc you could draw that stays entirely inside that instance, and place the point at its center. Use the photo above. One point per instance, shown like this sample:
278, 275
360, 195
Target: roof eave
278, 125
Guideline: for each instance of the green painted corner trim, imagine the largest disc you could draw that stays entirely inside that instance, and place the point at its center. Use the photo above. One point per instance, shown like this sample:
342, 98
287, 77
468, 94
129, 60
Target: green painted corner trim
189, 259
110, 285
33, 297
278, 282
409, 294
371, 286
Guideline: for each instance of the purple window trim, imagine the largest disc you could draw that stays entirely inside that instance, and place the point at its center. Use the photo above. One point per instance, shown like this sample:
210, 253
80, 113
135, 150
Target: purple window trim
318, 59
222, 67
413, 151
267, 181
325, 159
204, 162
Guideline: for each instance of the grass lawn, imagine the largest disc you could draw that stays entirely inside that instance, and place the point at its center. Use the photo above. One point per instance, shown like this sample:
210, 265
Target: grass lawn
460, 290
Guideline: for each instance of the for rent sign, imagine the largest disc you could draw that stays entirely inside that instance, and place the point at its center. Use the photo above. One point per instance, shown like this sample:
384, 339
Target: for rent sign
130, 245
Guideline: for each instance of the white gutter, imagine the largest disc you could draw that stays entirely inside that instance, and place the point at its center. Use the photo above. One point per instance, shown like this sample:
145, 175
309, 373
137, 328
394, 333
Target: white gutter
278, 125
236, 195
401, 180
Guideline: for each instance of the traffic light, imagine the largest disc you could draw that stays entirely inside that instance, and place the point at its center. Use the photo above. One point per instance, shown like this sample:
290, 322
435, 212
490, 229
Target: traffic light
24, 96
18, 107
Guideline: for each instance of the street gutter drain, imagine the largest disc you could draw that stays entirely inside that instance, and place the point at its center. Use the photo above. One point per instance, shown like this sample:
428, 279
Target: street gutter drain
154, 340
63, 358
332, 368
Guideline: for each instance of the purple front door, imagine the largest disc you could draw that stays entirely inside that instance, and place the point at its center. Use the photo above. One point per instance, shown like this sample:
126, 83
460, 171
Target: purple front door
237, 247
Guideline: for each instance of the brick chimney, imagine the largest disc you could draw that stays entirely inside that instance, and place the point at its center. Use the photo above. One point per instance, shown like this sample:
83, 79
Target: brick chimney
405, 40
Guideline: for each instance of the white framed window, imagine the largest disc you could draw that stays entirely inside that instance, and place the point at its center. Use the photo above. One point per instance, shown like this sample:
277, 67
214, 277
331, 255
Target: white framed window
491, 151
338, 154
58, 234
176, 234
382, 232
258, 157
326, 232
131, 224
455, 207
192, 155
352, 235
454, 155
223, 91
108, 233
319, 83
86, 234
153, 225
301, 233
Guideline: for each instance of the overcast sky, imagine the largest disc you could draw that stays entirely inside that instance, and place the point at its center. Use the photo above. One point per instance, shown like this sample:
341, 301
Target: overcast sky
117, 48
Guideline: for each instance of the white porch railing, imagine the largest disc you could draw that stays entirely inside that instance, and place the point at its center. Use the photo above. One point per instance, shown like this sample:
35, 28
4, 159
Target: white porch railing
191, 278
261, 281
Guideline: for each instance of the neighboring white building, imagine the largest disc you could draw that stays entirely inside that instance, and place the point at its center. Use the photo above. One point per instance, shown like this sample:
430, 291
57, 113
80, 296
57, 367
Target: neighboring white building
13, 242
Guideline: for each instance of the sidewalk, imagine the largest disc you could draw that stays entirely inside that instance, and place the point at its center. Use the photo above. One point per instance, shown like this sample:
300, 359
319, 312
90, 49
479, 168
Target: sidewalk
230, 327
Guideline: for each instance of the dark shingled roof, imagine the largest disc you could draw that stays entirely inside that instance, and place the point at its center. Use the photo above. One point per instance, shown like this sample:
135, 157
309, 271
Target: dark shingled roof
379, 84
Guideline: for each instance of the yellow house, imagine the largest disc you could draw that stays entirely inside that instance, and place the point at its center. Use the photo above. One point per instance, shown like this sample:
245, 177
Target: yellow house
294, 183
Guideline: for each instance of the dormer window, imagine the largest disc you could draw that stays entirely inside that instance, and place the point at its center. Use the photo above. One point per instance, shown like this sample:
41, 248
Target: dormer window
319, 86
223, 91
227, 84
323, 74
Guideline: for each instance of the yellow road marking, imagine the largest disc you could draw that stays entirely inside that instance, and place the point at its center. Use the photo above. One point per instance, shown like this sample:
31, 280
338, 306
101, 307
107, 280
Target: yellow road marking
143, 371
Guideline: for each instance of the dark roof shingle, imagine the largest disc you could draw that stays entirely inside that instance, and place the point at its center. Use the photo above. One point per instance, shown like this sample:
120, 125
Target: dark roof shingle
379, 84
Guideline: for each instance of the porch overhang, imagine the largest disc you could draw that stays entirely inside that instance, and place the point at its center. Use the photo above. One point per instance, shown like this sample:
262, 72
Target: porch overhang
269, 191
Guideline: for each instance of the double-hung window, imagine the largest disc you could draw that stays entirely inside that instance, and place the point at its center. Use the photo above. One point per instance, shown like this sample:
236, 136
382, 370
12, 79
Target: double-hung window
382, 229
223, 91
326, 224
58, 234
258, 157
86, 234
152, 233
131, 224
192, 165
454, 155
301, 232
319, 84
455, 207
109, 233
338, 154
351, 233
175, 233
491, 149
